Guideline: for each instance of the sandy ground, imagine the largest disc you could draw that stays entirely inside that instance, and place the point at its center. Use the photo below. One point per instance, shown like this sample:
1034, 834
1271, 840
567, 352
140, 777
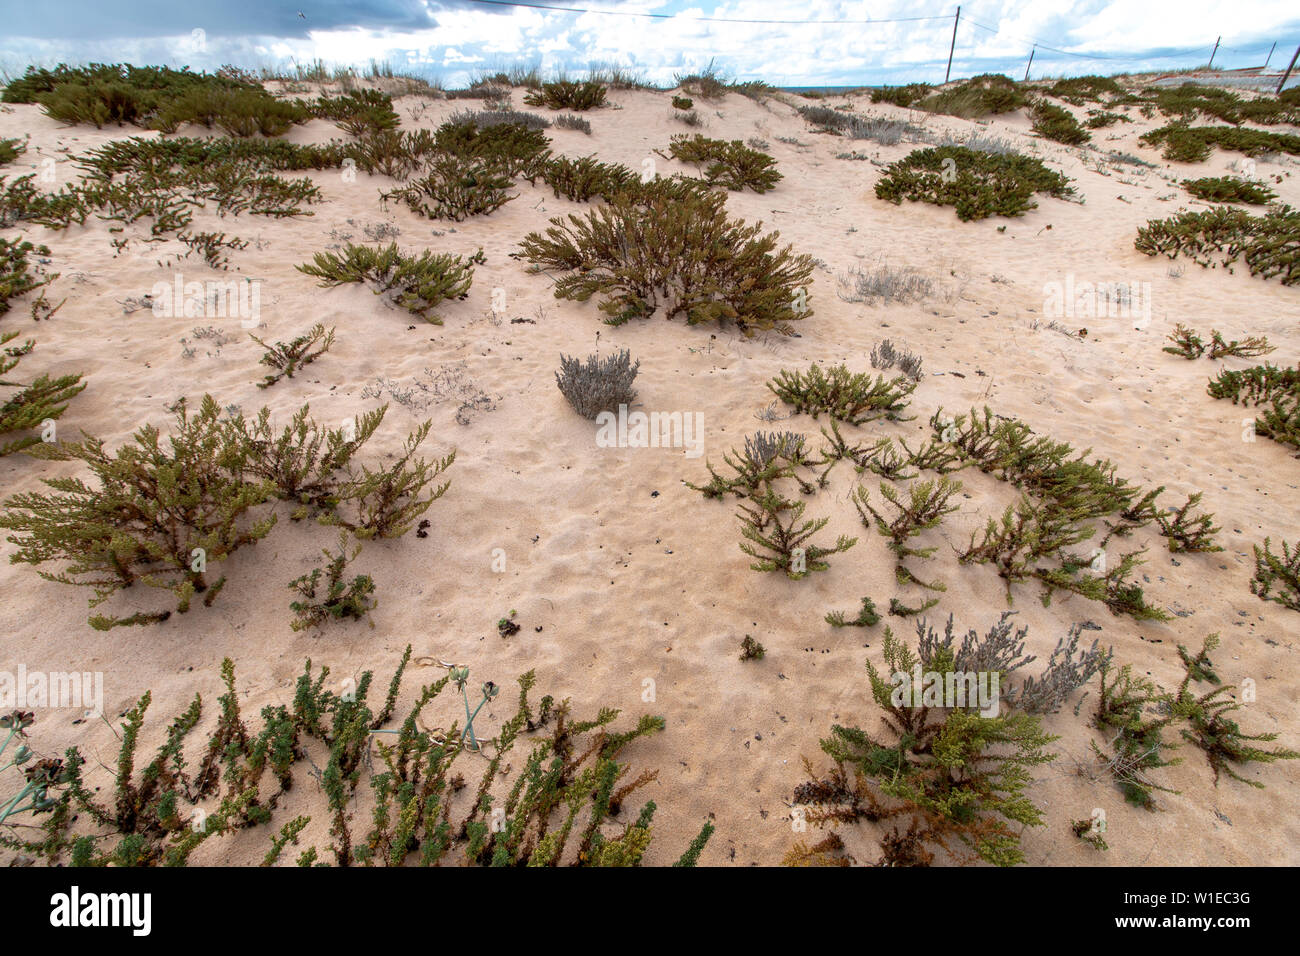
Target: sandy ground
619, 573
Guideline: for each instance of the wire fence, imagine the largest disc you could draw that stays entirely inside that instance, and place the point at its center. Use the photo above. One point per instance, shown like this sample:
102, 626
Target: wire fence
956, 33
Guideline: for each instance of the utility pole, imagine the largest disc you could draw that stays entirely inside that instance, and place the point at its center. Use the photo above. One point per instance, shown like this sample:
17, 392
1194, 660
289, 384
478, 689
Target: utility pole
1282, 82
953, 46
1030, 63
1216, 50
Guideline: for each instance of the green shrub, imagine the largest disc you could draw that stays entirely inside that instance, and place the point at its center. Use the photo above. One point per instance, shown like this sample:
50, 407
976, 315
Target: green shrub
1269, 244
11, 149
586, 178
1281, 572
905, 96
1193, 144
158, 515
683, 103
1257, 386
414, 283
1057, 123
569, 786
1076, 90
1229, 189
358, 112
512, 148
976, 184
394, 153
155, 98
1101, 119
1187, 343
336, 601
675, 249
238, 112
850, 397
455, 188
730, 164
779, 539
988, 94
285, 358
567, 95
957, 778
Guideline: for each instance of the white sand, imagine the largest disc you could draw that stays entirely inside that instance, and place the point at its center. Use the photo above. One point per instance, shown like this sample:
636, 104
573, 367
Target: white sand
628, 586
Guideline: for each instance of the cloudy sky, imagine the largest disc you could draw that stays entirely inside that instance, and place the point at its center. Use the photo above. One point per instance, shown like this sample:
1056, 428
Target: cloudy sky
458, 39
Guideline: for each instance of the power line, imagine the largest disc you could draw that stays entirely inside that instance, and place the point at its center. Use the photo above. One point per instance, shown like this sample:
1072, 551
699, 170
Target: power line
676, 16
1089, 56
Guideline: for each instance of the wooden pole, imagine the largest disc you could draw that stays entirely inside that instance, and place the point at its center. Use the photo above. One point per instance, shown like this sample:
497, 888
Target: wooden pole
1216, 50
1270, 55
1030, 63
1282, 82
955, 20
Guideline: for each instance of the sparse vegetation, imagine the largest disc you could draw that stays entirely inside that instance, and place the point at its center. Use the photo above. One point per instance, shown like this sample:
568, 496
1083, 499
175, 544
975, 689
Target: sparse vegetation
1280, 572
975, 183
1269, 244
285, 358
850, 397
730, 164
414, 283
334, 600
674, 249
568, 95
565, 795
1229, 189
598, 384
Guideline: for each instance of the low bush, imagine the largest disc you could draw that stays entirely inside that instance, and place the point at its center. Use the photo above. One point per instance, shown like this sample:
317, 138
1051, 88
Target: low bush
730, 164
333, 600
905, 96
1056, 123
1269, 244
568, 95
976, 184
985, 95
358, 112
455, 188
285, 358
1076, 90
846, 396
1193, 144
424, 799
673, 248
1229, 189
414, 283
395, 153
956, 778
597, 384
1280, 572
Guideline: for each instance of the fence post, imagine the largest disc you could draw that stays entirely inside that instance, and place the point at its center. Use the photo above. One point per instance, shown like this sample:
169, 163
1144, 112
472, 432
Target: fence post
1030, 63
1270, 55
955, 20
1282, 82
1210, 65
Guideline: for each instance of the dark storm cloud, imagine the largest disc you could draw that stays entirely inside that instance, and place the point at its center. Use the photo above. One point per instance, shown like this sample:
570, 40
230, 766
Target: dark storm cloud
106, 19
